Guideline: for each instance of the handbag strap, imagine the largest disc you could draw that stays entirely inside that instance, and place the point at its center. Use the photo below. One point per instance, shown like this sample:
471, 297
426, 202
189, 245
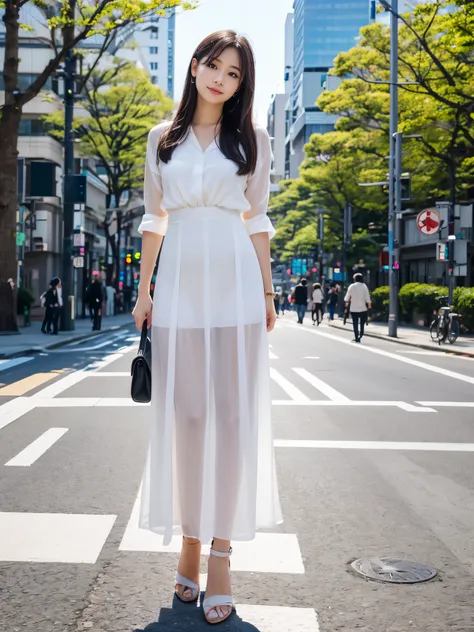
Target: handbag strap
143, 337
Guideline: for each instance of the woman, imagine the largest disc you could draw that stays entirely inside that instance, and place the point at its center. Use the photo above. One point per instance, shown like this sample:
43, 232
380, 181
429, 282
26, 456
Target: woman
317, 298
333, 296
210, 465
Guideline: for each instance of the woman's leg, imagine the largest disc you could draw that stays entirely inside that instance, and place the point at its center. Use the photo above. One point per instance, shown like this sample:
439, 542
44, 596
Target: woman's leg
218, 578
190, 413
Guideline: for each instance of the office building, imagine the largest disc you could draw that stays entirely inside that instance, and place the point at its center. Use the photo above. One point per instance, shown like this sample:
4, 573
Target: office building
322, 29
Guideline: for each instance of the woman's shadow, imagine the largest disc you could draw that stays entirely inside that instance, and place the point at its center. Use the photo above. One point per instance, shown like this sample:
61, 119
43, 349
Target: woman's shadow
184, 616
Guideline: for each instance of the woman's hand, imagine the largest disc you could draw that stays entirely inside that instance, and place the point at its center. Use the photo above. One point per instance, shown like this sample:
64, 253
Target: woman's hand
271, 313
142, 310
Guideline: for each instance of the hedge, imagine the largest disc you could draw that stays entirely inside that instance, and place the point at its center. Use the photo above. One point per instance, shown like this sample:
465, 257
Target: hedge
380, 299
422, 299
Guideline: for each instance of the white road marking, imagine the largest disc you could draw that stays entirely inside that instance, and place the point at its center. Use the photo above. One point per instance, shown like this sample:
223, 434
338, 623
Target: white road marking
427, 353
109, 374
388, 354
327, 402
8, 364
61, 385
448, 404
375, 445
324, 388
14, 409
289, 388
53, 537
312, 358
278, 618
267, 553
272, 356
36, 449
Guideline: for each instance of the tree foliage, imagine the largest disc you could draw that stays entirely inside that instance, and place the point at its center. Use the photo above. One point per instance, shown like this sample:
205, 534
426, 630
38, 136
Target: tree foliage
436, 104
120, 105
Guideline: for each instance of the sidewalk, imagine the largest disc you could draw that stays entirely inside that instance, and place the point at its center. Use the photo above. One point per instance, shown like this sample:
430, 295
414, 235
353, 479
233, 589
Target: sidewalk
414, 337
31, 340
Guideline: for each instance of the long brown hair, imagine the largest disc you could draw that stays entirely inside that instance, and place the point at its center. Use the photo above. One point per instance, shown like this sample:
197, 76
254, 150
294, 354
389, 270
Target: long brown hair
237, 131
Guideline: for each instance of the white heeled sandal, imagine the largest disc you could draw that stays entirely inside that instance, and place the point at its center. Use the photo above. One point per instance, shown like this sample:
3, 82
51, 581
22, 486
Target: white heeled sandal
218, 601
182, 584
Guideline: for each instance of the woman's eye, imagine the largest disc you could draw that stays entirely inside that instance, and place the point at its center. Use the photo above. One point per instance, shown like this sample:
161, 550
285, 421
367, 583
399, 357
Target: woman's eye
211, 65
233, 75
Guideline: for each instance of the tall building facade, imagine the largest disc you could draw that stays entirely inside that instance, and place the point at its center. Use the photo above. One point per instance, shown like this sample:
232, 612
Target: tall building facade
322, 29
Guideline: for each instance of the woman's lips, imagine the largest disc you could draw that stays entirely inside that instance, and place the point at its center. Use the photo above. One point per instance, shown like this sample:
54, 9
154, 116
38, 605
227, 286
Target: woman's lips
214, 91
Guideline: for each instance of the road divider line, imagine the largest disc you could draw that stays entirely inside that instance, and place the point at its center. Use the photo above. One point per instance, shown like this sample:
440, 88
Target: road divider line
375, 445
324, 388
8, 364
21, 387
37, 448
14, 409
388, 354
328, 402
272, 356
289, 388
448, 404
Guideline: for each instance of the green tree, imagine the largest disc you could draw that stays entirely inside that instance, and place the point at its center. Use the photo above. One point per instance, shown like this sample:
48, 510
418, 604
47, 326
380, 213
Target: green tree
70, 22
121, 106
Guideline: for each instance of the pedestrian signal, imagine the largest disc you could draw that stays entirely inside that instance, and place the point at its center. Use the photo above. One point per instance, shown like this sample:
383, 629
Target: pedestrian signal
128, 258
137, 255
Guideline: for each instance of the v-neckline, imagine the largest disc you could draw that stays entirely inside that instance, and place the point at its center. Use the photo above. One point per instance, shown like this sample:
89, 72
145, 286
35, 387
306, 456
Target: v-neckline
203, 151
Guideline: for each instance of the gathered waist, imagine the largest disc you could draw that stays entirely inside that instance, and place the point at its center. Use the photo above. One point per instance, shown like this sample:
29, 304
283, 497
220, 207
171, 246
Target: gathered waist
202, 213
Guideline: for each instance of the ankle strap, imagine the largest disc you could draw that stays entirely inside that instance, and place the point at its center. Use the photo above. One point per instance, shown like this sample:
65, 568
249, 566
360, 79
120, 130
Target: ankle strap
221, 553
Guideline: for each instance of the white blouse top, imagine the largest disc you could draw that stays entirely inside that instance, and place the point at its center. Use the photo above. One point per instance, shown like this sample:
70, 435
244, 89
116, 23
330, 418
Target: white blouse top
194, 178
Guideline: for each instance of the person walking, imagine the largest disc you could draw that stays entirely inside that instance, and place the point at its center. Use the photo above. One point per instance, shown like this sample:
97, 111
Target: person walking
50, 301
359, 297
94, 297
301, 300
210, 465
317, 310
276, 302
110, 291
333, 296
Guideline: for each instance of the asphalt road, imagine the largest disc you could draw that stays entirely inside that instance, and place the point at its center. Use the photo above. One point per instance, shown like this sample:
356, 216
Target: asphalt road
375, 458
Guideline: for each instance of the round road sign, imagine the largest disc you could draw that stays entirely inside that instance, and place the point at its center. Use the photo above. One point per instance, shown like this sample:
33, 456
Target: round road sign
428, 222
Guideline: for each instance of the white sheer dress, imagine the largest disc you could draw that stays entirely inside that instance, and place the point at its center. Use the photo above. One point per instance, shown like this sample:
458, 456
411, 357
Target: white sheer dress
210, 468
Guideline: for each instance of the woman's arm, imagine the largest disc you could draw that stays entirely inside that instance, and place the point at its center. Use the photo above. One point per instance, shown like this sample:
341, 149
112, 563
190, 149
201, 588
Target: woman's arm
151, 244
261, 243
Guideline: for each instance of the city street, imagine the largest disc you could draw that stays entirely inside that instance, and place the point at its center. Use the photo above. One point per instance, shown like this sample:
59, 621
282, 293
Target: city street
375, 455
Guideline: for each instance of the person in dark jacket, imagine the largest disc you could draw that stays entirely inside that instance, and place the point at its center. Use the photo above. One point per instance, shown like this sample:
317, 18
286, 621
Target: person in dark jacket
50, 300
301, 299
95, 297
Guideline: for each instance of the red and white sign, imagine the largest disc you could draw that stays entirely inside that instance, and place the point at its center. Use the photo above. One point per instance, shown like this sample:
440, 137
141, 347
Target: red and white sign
428, 222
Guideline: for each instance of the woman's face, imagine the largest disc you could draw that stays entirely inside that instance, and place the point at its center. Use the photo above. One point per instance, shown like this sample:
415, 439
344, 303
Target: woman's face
218, 80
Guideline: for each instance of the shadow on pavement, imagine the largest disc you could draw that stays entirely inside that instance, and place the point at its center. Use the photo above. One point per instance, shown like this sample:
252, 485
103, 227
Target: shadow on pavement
184, 616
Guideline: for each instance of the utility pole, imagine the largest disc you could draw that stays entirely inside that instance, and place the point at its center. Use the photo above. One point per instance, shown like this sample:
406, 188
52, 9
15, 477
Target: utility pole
68, 197
394, 182
451, 228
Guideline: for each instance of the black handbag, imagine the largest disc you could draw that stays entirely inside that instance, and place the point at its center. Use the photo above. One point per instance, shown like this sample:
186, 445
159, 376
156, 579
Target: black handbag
141, 369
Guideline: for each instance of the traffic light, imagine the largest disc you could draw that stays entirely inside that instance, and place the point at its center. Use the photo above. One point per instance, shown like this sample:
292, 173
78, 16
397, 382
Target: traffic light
128, 257
137, 257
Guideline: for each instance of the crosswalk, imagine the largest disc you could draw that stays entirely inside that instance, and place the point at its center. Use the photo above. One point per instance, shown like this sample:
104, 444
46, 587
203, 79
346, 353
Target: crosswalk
74, 538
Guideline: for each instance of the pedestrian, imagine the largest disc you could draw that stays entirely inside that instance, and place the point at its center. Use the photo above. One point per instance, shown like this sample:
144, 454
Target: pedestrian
210, 465
300, 294
359, 297
110, 291
94, 297
50, 301
276, 301
283, 302
317, 311
333, 295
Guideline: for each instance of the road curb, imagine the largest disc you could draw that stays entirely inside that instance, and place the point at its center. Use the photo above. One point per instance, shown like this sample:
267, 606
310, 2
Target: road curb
61, 343
401, 341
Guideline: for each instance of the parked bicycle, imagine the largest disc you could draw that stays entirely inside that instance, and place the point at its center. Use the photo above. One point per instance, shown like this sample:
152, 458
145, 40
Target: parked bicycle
446, 324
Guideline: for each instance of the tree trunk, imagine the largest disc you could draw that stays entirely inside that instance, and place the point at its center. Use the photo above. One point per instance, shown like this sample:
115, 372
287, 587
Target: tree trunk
9, 126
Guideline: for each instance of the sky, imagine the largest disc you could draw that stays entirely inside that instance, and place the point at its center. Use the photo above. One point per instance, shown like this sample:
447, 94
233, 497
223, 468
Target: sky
262, 21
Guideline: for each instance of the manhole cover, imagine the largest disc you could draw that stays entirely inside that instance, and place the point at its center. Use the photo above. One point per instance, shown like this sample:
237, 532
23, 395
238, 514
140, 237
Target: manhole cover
394, 570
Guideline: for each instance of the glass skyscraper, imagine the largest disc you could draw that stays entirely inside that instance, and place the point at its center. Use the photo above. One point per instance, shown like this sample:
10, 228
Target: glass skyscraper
322, 29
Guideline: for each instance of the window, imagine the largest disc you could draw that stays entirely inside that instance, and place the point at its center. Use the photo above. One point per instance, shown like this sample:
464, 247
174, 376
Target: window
154, 79
32, 127
154, 33
153, 50
25, 79
154, 65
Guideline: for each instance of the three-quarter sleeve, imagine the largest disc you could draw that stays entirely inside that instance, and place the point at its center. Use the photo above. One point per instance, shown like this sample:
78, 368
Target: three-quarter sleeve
257, 193
155, 219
